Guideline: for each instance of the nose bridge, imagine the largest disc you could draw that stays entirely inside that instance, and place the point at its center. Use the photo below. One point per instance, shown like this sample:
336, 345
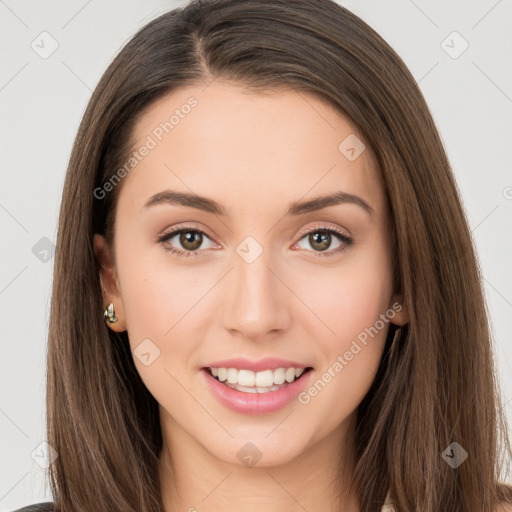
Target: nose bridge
255, 303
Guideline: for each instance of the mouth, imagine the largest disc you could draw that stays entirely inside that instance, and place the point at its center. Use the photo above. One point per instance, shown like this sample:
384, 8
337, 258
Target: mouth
265, 381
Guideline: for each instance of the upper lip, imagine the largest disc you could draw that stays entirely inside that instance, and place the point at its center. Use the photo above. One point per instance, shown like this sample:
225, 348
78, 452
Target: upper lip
267, 363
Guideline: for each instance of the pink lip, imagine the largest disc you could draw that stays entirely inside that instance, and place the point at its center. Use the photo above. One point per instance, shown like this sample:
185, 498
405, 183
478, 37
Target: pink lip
267, 363
255, 403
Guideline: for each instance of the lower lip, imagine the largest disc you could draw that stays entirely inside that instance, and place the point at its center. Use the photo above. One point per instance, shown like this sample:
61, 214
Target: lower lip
255, 403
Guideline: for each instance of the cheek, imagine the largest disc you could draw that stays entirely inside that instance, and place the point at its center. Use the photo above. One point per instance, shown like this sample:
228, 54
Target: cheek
351, 297
356, 296
157, 293
159, 305
164, 313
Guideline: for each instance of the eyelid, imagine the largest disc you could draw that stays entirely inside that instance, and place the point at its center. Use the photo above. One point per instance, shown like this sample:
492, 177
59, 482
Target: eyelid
324, 225
300, 234
180, 227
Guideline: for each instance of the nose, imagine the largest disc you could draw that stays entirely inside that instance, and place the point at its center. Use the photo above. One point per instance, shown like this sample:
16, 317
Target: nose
257, 300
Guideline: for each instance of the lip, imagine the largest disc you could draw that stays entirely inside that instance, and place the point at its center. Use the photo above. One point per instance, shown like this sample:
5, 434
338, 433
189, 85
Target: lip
267, 363
255, 403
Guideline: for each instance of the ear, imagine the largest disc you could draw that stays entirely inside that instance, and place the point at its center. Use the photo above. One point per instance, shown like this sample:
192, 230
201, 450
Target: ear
109, 282
397, 305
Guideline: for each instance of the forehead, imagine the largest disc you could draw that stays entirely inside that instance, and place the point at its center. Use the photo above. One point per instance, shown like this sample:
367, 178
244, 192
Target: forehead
225, 141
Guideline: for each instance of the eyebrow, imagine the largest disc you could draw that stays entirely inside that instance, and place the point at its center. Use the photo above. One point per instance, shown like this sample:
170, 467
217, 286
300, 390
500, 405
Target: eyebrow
295, 208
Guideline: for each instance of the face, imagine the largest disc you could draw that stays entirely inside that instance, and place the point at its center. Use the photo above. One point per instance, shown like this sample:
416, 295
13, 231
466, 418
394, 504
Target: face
309, 286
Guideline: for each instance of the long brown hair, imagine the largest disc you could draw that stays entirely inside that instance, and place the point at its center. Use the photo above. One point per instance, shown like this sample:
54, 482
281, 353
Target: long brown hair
437, 383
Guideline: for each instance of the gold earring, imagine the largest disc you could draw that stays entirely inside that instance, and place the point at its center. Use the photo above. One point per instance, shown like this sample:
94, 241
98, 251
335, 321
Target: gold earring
109, 314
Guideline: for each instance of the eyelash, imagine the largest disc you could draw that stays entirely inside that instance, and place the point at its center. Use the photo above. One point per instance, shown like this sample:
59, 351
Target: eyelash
344, 239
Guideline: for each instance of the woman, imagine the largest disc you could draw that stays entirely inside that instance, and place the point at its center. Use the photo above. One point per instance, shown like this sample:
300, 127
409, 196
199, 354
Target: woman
265, 289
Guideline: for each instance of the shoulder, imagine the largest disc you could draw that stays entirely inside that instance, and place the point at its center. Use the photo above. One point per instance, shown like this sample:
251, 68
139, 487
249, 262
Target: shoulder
46, 506
504, 507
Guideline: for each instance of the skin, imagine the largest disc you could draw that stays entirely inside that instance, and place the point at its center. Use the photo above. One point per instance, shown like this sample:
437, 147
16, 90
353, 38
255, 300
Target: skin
254, 154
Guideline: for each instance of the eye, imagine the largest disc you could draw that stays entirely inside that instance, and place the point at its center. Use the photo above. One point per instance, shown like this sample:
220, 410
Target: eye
320, 238
189, 238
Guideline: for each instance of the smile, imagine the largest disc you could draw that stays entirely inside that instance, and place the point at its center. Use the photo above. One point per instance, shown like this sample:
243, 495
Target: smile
264, 381
281, 387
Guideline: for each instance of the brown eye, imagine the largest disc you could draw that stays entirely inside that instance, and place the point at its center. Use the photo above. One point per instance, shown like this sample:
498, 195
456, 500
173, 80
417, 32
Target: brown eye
184, 241
190, 240
320, 239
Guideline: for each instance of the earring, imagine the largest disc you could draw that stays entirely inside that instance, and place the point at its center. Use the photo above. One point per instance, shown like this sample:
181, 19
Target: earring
109, 314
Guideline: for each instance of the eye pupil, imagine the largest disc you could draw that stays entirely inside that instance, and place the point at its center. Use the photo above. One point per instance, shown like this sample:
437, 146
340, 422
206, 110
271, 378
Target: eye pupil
323, 239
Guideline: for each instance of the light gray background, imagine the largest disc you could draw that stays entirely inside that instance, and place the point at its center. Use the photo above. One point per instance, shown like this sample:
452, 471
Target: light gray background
42, 101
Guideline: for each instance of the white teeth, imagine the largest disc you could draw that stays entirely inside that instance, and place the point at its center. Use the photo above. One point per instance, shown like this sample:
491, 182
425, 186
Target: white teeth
289, 375
263, 379
279, 375
222, 374
246, 378
233, 376
255, 380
